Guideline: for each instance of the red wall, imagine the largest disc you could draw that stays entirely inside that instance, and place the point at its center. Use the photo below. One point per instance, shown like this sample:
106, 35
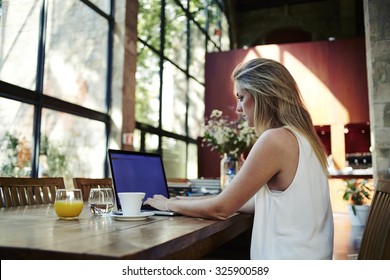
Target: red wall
357, 138
331, 75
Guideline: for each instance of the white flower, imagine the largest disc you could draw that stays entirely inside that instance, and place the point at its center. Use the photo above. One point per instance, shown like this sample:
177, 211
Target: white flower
225, 136
216, 114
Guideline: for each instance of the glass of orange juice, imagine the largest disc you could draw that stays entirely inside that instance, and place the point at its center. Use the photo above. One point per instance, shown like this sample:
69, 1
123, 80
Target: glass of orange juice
68, 204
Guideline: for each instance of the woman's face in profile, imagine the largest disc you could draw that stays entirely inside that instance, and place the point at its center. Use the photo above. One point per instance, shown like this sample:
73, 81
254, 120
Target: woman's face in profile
245, 105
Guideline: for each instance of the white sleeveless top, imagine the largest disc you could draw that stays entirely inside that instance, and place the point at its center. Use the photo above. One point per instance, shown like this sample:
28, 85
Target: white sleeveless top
296, 223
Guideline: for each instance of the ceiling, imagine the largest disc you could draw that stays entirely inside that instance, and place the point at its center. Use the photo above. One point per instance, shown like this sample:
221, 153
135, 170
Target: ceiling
254, 22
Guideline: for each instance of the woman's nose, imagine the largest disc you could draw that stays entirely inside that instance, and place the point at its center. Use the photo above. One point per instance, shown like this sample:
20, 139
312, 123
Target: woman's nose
238, 108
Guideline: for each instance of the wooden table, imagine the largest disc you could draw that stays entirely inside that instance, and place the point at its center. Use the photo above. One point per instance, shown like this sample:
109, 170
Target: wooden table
35, 232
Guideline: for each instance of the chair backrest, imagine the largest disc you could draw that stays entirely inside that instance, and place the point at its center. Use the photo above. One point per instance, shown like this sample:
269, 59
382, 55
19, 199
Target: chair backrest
86, 184
29, 191
375, 243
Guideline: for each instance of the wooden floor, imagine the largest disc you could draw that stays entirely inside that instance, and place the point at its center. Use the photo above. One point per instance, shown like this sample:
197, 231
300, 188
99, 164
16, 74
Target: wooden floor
347, 238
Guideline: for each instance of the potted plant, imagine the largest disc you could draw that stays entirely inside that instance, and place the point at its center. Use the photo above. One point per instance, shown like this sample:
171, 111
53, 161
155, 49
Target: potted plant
358, 192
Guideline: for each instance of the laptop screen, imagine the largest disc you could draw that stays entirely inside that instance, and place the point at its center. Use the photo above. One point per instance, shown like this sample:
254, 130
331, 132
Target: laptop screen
137, 172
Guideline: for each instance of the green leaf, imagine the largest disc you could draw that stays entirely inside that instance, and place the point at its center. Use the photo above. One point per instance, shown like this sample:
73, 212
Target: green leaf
354, 209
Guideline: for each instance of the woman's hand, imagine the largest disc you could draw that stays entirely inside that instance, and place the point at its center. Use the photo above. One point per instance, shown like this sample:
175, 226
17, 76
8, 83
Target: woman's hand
158, 201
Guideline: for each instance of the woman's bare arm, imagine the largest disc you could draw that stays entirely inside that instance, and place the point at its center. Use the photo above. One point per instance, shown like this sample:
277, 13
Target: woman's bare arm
266, 160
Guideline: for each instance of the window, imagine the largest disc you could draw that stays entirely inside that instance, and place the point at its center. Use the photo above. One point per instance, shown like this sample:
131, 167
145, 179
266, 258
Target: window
19, 42
173, 37
16, 140
57, 73
76, 54
54, 87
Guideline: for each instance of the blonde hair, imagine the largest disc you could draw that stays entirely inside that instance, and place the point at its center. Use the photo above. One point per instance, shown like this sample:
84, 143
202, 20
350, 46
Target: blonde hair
278, 101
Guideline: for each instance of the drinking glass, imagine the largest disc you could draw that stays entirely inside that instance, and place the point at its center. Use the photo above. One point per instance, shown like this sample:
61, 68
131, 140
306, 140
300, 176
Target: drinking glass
101, 201
68, 203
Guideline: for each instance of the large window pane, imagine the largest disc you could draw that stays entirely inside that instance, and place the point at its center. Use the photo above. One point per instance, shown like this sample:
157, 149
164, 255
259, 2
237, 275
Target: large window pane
182, 100
184, 3
71, 146
174, 157
149, 22
195, 109
16, 125
214, 23
197, 52
211, 47
175, 34
198, 11
151, 143
192, 161
148, 86
76, 51
103, 5
137, 140
19, 34
174, 99
225, 40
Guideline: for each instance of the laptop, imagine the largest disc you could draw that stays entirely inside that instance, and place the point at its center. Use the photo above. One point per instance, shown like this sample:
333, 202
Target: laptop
138, 172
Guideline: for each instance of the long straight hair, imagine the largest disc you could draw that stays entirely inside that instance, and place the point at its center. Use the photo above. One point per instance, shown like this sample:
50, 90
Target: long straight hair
278, 101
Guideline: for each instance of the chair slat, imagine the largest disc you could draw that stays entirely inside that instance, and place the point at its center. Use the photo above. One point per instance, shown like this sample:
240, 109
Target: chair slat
22, 196
375, 243
15, 196
45, 195
30, 195
2, 202
86, 184
7, 196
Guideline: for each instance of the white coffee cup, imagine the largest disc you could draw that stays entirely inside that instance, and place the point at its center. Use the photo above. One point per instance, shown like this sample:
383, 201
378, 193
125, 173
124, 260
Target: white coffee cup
131, 202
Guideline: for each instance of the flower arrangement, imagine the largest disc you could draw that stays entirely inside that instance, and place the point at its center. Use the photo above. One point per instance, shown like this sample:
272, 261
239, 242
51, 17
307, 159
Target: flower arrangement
226, 136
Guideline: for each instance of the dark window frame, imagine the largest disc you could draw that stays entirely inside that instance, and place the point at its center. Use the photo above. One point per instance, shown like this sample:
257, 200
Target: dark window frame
145, 128
39, 100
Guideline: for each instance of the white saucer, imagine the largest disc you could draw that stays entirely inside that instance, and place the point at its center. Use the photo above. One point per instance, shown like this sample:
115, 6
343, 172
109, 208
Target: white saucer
141, 216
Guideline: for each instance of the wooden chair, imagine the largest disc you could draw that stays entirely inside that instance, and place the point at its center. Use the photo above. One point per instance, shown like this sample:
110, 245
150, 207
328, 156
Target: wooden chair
29, 191
375, 243
86, 184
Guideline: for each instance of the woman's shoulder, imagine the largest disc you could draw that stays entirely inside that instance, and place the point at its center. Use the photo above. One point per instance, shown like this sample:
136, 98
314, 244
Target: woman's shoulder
278, 139
278, 150
279, 135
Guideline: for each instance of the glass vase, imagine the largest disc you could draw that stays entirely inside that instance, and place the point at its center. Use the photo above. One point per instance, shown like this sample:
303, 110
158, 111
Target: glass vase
229, 168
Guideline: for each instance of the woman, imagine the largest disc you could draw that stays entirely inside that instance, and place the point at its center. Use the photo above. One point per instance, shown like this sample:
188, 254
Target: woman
283, 181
